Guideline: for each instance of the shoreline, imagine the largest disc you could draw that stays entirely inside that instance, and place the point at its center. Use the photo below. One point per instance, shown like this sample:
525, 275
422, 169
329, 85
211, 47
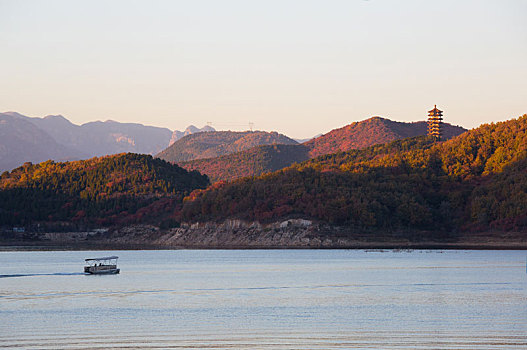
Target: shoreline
100, 246
240, 235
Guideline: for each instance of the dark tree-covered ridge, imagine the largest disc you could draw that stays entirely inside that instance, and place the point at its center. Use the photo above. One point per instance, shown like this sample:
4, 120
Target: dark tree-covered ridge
252, 162
89, 189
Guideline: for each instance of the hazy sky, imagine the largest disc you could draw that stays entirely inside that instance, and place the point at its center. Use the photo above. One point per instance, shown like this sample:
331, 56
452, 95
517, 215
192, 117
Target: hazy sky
297, 67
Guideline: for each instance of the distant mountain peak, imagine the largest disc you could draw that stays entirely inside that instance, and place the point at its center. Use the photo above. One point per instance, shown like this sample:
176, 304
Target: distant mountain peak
14, 114
56, 120
72, 141
55, 116
216, 143
374, 130
191, 129
22, 141
207, 128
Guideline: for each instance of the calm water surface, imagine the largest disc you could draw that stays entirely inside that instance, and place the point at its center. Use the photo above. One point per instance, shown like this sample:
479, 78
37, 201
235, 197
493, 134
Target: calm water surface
266, 299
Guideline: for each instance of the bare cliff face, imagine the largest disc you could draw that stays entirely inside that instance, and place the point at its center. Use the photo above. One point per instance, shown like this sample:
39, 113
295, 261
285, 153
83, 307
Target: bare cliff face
230, 234
296, 233
237, 234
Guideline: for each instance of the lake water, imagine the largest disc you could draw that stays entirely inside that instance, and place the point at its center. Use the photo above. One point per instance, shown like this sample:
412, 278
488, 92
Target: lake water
266, 299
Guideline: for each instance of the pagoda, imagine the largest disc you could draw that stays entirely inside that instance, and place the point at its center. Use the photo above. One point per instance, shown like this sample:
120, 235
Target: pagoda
435, 117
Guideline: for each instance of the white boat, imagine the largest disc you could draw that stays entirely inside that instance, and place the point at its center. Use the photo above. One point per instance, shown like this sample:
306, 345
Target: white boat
100, 266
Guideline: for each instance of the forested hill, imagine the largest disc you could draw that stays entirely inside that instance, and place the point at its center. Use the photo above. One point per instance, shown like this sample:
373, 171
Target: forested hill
99, 189
372, 131
260, 160
475, 181
252, 162
217, 143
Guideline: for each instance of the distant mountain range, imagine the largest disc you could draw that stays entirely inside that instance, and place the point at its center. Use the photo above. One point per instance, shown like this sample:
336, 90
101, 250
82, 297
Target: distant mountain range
219, 143
358, 135
308, 139
27, 139
31, 139
22, 141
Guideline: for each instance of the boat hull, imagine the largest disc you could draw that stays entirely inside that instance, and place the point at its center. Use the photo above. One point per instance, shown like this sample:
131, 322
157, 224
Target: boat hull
101, 272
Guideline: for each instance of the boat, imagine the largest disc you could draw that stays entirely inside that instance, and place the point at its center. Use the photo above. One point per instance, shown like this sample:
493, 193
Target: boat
101, 266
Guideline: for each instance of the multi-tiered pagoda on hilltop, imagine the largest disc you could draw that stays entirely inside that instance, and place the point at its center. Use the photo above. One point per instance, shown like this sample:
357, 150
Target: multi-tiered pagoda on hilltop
435, 117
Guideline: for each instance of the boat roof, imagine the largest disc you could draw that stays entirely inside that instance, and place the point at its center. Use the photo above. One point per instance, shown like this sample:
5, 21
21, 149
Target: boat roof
103, 258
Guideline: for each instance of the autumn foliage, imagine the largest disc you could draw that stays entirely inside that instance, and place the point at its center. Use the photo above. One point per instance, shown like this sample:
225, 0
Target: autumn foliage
264, 159
252, 162
218, 143
375, 130
98, 189
474, 181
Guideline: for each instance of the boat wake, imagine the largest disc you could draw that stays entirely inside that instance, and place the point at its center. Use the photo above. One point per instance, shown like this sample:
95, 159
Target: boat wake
42, 274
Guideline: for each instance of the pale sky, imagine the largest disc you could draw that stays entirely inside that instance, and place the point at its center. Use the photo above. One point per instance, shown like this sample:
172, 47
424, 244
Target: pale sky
299, 67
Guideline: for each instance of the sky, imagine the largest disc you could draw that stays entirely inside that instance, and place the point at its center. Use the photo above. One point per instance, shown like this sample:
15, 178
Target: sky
299, 67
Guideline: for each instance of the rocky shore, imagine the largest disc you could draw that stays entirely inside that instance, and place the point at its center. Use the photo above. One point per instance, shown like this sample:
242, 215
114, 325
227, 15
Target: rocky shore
237, 234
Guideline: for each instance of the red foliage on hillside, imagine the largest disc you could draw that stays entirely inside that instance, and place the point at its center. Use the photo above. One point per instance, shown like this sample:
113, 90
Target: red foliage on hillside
369, 132
263, 159
472, 182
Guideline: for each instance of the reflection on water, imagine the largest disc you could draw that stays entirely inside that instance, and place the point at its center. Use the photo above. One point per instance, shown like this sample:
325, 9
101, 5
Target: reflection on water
270, 299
